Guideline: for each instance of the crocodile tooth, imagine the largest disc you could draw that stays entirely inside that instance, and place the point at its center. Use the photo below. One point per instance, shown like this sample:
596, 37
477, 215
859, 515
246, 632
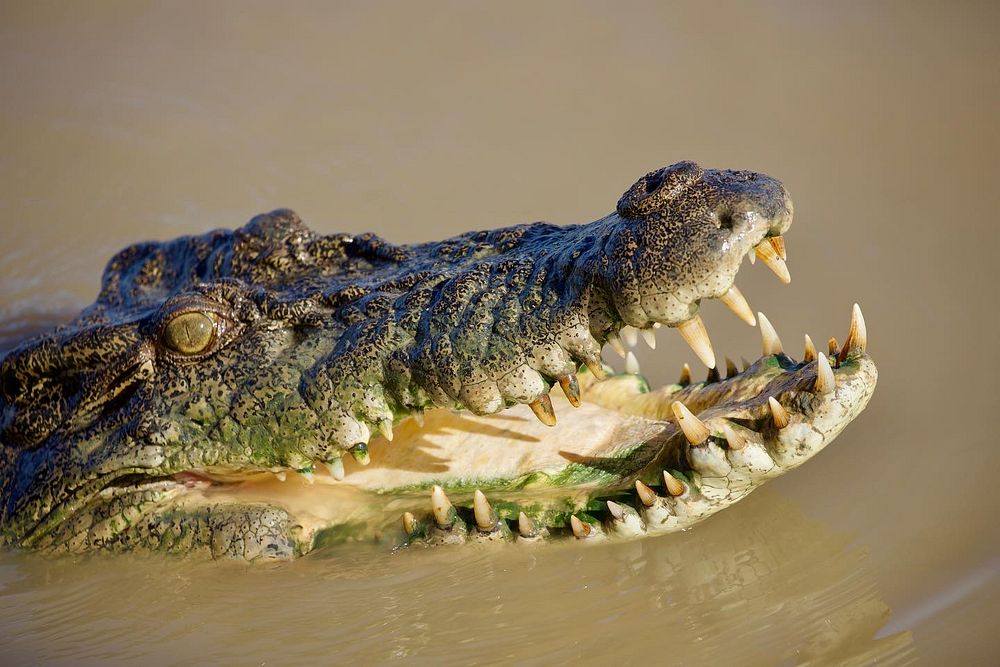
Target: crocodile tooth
685, 378
630, 334
737, 303
646, 495
810, 353
778, 243
281, 475
571, 387
696, 336
770, 257
675, 487
418, 416
752, 256
649, 335
409, 523
595, 366
694, 429
746, 363
731, 370
617, 511
713, 375
736, 440
308, 476
657, 325
444, 512
778, 414
542, 407
825, 381
336, 468
485, 518
832, 347
772, 344
360, 453
616, 343
385, 428
857, 337
631, 364
581, 529
525, 526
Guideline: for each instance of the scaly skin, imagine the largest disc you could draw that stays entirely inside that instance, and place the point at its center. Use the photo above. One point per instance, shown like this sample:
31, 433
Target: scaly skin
160, 417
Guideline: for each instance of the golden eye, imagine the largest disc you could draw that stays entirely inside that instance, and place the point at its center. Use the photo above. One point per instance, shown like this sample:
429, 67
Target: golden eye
189, 333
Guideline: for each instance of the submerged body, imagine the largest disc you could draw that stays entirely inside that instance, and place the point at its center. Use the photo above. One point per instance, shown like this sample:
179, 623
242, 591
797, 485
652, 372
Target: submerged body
226, 393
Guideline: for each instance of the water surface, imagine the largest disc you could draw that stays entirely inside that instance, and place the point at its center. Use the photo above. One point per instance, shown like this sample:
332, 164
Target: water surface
137, 121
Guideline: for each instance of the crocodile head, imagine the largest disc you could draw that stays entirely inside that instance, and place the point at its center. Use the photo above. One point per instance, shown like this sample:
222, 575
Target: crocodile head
255, 393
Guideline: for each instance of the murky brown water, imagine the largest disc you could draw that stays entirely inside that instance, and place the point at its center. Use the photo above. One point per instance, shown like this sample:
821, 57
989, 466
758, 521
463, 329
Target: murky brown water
137, 122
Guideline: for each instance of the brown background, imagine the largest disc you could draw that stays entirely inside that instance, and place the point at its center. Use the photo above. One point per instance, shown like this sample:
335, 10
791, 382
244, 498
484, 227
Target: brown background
137, 121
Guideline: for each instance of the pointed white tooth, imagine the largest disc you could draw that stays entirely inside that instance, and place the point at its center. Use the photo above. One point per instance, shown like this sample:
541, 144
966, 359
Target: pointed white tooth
336, 468
409, 523
308, 476
580, 528
361, 454
542, 407
696, 336
631, 364
616, 344
525, 526
857, 337
694, 429
418, 416
630, 334
769, 256
736, 440
675, 487
595, 366
649, 335
281, 475
825, 381
385, 428
617, 511
646, 495
571, 388
657, 325
771, 342
810, 353
778, 414
752, 256
685, 378
737, 303
441, 507
778, 243
482, 511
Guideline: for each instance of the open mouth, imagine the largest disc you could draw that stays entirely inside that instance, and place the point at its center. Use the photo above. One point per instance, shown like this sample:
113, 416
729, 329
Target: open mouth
632, 460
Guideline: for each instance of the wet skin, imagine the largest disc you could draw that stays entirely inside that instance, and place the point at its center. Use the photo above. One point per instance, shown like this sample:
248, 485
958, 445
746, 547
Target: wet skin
226, 392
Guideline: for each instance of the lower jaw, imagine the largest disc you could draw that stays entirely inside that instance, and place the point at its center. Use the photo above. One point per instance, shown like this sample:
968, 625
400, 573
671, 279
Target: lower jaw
595, 453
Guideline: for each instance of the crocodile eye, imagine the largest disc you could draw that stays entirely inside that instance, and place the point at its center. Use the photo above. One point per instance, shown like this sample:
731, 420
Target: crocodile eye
189, 333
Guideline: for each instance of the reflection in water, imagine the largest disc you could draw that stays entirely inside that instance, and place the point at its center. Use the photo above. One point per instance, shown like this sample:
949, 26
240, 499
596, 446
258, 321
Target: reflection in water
759, 584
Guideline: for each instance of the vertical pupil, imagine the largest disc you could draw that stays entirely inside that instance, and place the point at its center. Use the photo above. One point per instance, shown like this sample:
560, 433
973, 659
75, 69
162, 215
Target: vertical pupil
189, 333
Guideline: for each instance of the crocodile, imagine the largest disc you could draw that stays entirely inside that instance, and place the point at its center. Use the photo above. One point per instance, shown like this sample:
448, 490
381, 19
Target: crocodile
258, 393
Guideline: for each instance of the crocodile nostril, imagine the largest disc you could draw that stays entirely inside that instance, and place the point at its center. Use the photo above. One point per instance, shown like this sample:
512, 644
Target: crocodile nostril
654, 182
10, 387
726, 220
